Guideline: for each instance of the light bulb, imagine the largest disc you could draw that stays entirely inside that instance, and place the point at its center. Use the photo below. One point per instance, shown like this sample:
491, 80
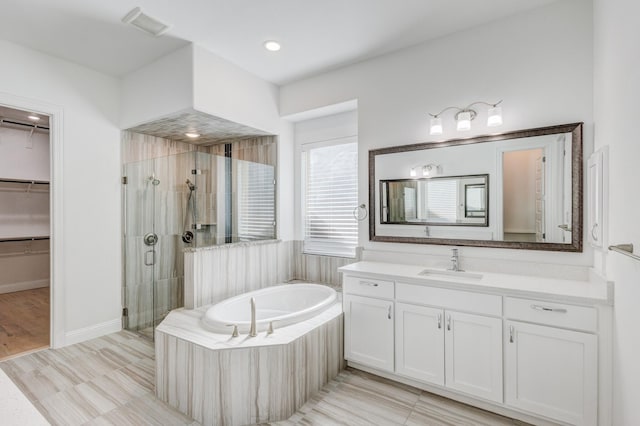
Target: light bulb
494, 117
413, 172
464, 121
436, 126
426, 170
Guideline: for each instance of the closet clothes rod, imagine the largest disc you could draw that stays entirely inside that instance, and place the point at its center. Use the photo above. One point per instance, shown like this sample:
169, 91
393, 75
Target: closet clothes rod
19, 239
33, 182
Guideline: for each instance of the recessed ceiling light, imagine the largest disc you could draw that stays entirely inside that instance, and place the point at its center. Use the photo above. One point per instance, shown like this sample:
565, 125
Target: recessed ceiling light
192, 135
34, 117
272, 45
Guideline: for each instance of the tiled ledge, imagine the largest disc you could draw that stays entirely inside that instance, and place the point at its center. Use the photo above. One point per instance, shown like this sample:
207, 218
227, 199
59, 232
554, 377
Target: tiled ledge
230, 246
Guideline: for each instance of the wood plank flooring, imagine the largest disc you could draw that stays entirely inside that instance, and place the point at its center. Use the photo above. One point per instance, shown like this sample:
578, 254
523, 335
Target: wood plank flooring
24, 321
110, 381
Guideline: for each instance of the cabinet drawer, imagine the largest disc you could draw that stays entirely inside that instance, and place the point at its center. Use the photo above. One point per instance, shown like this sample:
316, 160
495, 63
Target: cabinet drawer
551, 313
368, 287
487, 304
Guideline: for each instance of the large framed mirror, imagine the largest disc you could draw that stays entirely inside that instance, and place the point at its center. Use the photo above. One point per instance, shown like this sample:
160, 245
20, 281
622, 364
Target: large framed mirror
520, 189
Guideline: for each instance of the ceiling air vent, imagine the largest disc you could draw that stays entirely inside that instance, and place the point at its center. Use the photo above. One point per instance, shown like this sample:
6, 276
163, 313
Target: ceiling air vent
145, 22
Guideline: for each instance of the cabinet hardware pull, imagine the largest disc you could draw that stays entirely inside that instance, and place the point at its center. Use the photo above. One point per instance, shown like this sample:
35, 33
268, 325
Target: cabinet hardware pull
511, 334
439, 321
548, 309
593, 232
449, 322
369, 283
389, 312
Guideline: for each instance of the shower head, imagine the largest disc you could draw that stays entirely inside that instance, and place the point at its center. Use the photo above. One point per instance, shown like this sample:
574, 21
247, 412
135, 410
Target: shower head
191, 185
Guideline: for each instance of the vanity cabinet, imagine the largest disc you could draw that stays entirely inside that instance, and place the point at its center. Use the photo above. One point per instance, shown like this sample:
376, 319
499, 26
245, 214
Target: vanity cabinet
550, 370
420, 343
536, 360
447, 348
368, 321
473, 355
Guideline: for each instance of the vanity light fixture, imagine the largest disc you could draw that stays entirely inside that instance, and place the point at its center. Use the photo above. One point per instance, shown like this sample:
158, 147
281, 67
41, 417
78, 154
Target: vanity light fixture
430, 170
464, 117
192, 135
427, 170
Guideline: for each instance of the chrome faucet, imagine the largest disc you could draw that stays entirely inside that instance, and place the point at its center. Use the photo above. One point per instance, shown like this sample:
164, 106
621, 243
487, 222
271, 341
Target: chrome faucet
455, 261
252, 330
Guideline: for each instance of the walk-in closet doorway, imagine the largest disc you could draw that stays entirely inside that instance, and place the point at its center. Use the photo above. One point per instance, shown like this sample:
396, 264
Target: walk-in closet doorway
31, 288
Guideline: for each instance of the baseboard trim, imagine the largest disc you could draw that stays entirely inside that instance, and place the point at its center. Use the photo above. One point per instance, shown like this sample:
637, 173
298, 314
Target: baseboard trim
93, 331
23, 285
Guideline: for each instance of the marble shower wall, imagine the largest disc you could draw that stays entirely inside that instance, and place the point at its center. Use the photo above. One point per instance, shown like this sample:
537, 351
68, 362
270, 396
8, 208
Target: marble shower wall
247, 385
215, 273
319, 269
159, 209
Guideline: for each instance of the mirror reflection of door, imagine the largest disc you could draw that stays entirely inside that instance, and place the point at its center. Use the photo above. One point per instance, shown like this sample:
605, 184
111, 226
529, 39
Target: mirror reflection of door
524, 195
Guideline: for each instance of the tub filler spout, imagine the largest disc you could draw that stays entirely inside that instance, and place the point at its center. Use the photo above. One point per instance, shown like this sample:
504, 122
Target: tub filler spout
252, 330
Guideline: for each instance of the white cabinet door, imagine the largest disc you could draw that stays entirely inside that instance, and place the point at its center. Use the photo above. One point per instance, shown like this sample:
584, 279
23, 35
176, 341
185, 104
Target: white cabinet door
473, 351
368, 333
551, 372
420, 343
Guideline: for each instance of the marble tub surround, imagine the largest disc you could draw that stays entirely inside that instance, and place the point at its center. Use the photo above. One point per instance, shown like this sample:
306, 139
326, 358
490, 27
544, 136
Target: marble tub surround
186, 324
215, 273
220, 380
592, 291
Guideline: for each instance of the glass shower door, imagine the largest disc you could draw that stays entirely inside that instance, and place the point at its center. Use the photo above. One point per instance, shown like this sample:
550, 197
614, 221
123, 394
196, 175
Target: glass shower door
140, 241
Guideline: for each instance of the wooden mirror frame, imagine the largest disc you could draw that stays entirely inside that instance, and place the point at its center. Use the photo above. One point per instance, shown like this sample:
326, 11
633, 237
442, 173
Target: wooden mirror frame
576, 186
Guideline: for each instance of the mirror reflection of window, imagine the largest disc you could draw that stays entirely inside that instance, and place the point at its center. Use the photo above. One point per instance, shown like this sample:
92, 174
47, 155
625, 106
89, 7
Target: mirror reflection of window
474, 201
442, 201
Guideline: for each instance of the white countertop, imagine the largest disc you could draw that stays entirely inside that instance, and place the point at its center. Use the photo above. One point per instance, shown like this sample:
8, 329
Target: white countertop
551, 289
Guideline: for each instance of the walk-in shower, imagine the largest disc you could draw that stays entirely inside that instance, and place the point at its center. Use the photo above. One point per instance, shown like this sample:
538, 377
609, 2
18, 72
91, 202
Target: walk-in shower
190, 199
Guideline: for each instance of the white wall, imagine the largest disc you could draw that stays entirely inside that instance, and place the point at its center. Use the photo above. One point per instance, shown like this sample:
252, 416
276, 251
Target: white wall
617, 66
91, 203
158, 89
539, 62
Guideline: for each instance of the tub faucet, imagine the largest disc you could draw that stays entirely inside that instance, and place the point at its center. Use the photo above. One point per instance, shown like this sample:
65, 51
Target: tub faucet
252, 330
455, 261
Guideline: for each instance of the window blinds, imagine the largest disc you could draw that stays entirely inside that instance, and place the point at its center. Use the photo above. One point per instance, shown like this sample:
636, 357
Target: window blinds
329, 196
256, 201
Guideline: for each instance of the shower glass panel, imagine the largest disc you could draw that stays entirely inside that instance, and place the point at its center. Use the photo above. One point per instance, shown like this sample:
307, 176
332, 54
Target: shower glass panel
156, 215
193, 199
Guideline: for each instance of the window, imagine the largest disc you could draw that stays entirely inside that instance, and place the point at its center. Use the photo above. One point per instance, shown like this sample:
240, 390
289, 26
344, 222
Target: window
329, 196
256, 201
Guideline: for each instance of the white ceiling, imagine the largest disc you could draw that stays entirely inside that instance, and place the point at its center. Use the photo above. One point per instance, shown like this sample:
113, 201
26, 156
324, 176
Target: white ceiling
316, 35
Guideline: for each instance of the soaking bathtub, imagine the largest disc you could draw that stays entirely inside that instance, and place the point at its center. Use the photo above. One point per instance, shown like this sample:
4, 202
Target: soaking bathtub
282, 304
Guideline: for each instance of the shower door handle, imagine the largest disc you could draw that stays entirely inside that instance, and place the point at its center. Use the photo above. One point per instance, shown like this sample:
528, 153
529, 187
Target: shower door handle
150, 258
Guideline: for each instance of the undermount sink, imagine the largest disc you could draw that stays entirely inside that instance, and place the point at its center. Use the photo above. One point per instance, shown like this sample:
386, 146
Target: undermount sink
459, 274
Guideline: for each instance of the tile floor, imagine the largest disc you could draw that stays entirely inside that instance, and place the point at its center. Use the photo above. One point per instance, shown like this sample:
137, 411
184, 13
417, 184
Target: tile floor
110, 381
